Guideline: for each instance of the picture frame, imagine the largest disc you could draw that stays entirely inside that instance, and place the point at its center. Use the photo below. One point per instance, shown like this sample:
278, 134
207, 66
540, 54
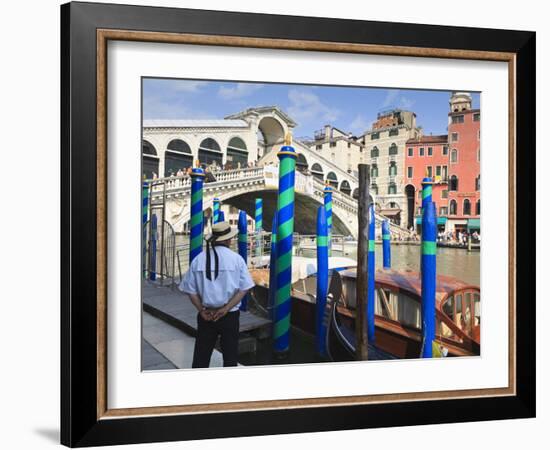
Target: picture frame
86, 28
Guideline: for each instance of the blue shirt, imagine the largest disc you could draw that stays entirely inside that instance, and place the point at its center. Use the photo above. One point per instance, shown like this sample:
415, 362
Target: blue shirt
233, 276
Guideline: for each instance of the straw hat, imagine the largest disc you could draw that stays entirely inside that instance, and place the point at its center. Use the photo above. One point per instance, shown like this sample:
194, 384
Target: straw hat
221, 231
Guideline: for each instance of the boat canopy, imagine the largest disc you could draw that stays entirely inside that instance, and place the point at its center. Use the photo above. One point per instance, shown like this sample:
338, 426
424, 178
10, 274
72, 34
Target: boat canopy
303, 267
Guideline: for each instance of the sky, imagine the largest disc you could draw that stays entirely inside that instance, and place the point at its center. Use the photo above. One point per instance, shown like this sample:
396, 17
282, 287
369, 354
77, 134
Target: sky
351, 109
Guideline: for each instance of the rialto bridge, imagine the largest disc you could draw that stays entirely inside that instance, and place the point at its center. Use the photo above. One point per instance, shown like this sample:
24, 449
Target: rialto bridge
239, 188
247, 138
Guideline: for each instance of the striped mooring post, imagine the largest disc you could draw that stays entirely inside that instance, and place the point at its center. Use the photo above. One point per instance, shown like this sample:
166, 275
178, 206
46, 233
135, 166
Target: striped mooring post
258, 225
144, 214
328, 207
153, 249
386, 244
221, 217
428, 269
273, 268
243, 249
285, 228
197, 226
216, 211
322, 281
371, 275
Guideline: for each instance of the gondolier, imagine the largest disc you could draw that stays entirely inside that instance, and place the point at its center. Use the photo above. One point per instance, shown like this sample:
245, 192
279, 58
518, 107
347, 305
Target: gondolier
216, 282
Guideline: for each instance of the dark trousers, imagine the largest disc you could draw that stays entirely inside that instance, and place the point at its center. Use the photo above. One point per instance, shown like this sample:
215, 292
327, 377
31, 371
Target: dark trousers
207, 333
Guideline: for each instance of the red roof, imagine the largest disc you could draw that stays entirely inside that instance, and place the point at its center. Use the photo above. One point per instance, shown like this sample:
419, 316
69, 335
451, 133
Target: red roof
442, 138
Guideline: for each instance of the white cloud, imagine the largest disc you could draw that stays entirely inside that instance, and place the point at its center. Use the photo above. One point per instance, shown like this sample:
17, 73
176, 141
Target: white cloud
187, 85
240, 90
360, 124
305, 105
394, 99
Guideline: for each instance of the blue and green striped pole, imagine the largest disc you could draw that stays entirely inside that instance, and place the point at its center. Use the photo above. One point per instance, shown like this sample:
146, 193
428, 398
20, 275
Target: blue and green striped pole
426, 191
273, 268
285, 228
221, 216
371, 275
195, 237
216, 211
144, 216
153, 249
328, 207
428, 269
258, 225
386, 244
322, 281
243, 249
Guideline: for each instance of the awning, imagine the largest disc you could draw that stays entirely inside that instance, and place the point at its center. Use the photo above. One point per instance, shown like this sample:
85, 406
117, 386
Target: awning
474, 224
440, 220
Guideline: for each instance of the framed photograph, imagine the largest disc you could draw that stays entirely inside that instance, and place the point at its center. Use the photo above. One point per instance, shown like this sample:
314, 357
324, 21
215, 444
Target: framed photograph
272, 224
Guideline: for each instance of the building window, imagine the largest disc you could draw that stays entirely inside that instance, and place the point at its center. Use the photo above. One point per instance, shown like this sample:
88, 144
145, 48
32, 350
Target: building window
476, 117
430, 151
392, 189
419, 211
410, 151
349, 144
374, 136
393, 149
333, 144
392, 169
445, 150
454, 155
443, 211
420, 194
478, 134
374, 171
452, 208
429, 171
374, 153
374, 188
409, 172
444, 193
421, 151
394, 132
478, 207
453, 183
466, 209
319, 147
478, 182
478, 155
454, 137
444, 174
438, 171
458, 119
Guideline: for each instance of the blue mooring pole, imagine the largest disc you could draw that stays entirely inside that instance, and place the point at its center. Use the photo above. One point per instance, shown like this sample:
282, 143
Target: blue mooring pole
145, 215
322, 280
215, 210
371, 275
386, 244
153, 249
428, 269
197, 215
243, 249
273, 266
221, 216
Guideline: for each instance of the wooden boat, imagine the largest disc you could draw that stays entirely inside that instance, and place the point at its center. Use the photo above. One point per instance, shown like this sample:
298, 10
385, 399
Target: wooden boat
397, 312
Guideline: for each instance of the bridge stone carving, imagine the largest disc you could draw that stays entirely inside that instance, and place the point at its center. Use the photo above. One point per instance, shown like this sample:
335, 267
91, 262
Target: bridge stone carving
240, 187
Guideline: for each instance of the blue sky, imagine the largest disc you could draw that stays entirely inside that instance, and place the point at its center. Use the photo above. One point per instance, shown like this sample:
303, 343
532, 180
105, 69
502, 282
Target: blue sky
347, 108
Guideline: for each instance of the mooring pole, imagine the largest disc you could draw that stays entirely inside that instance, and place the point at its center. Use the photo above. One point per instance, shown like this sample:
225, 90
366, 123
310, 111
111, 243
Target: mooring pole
285, 229
386, 244
216, 211
221, 216
428, 269
243, 249
273, 268
195, 235
144, 214
153, 249
371, 272
361, 336
328, 207
258, 225
322, 280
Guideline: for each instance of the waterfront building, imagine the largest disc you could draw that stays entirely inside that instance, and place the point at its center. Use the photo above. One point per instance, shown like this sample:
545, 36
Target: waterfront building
384, 149
464, 203
427, 156
341, 148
